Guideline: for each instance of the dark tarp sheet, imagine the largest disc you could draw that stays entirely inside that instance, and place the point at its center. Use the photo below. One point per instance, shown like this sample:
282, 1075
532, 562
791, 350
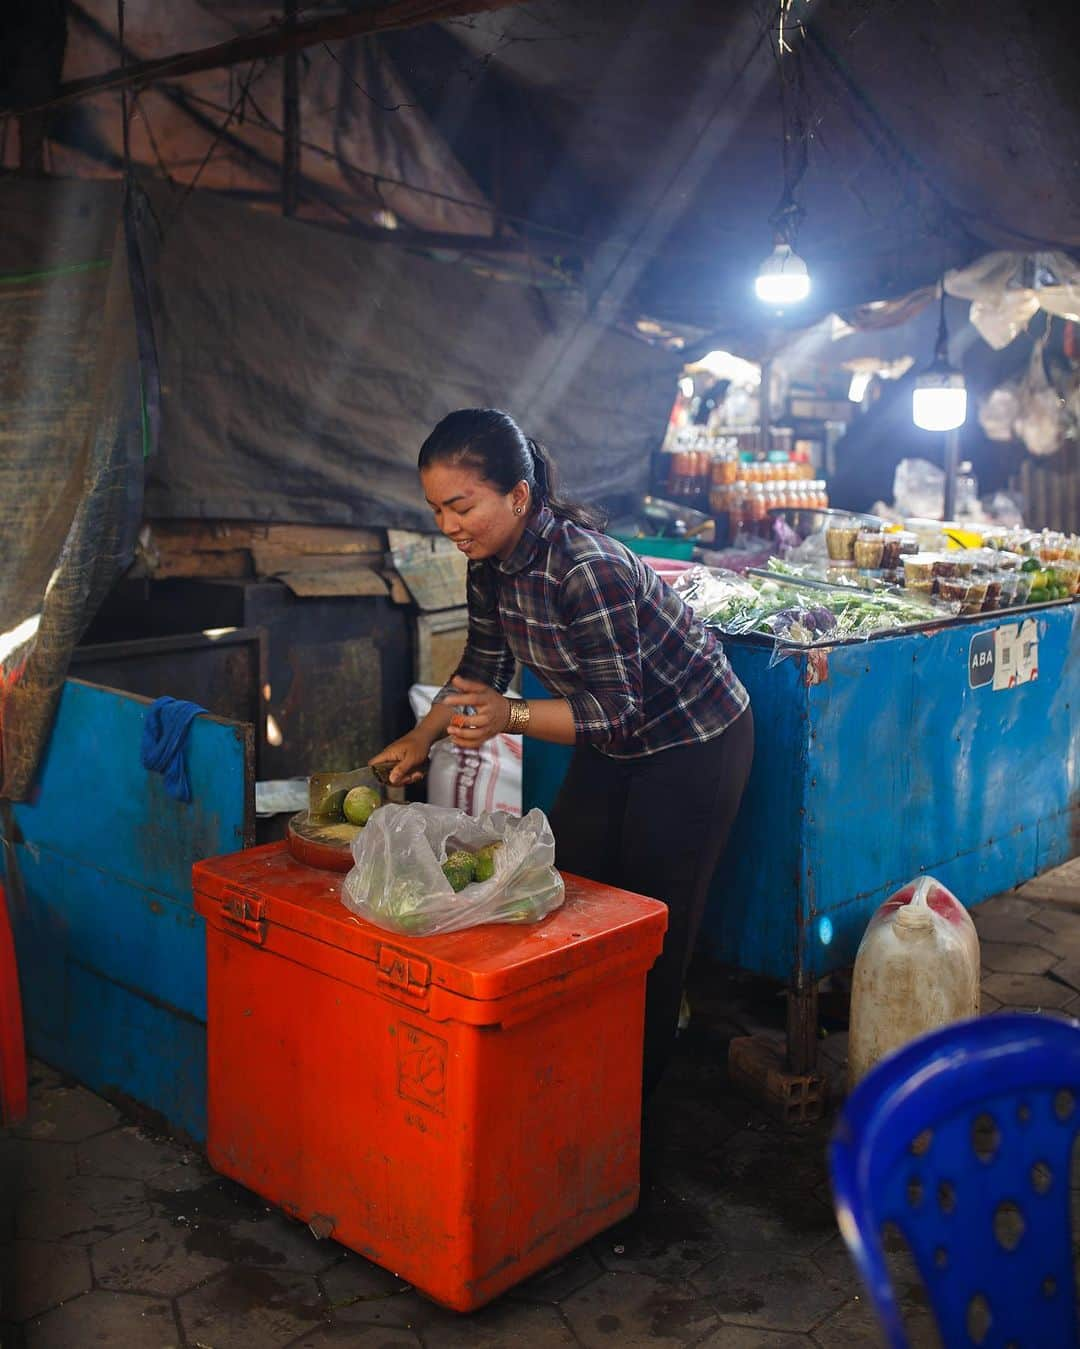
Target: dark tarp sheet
72, 445
302, 369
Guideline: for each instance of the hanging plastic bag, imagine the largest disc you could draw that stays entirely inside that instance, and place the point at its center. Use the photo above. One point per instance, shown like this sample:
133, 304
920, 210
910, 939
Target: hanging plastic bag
1001, 322
1043, 421
398, 881
999, 411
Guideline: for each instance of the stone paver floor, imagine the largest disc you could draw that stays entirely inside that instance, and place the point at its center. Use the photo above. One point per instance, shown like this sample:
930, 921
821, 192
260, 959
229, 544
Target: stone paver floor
111, 1236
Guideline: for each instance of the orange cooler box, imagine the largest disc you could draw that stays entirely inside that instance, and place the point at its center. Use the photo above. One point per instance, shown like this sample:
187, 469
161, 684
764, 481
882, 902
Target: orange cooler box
462, 1109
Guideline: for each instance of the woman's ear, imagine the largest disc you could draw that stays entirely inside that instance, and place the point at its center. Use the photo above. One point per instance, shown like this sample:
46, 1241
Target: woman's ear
519, 497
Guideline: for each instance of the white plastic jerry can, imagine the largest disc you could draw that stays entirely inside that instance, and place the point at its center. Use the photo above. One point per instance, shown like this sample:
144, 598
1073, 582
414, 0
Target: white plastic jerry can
917, 968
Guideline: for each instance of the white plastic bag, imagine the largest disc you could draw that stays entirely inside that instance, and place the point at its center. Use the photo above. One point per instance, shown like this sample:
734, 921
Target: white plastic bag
398, 882
472, 780
1042, 421
919, 489
999, 410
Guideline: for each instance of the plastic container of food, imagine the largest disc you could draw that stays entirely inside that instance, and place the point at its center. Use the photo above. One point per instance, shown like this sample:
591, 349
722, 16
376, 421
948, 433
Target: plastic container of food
869, 547
890, 551
909, 543
1007, 581
1023, 587
918, 568
976, 596
952, 590
923, 588
993, 594
953, 565
840, 542
1068, 574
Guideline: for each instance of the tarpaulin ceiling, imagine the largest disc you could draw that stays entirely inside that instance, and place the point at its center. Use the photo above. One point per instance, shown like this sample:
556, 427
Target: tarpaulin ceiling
637, 143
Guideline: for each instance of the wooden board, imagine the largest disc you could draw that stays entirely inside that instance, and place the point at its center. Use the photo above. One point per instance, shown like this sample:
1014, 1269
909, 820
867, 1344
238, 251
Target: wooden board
317, 843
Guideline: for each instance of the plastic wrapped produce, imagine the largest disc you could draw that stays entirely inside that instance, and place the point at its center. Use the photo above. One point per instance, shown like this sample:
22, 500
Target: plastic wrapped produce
416, 864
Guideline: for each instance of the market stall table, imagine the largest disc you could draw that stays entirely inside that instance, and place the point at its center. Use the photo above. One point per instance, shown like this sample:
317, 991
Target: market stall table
954, 750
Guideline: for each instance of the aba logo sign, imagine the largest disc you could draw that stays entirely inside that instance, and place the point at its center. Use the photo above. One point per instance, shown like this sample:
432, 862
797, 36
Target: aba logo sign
981, 660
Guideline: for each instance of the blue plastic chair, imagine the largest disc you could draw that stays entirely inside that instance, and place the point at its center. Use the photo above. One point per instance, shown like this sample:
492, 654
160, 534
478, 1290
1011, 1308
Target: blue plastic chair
963, 1139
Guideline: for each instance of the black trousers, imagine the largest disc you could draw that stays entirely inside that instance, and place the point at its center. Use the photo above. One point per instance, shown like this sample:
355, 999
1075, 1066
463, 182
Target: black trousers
657, 826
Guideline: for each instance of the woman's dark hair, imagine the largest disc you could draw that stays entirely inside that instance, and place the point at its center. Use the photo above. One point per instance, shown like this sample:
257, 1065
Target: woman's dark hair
493, 444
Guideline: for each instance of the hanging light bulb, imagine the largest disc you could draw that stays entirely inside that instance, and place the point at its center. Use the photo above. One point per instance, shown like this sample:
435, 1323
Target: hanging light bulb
939, 399
782, 278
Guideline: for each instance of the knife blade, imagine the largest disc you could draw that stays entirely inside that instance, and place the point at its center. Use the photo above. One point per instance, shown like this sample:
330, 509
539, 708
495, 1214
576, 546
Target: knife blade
327, 791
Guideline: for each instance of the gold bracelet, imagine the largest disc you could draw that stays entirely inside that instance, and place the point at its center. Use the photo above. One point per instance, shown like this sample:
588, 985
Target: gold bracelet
518, 719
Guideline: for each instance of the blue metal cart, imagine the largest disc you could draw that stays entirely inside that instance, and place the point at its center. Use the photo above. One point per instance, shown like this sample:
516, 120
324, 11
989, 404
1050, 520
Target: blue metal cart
953, 750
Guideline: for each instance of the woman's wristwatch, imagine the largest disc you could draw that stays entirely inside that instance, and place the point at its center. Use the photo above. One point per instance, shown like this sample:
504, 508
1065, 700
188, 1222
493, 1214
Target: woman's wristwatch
518, 719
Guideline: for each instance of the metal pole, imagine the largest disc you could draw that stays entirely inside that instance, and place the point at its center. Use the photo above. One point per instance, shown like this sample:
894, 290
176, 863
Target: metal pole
290, 153
765, 411
952, 458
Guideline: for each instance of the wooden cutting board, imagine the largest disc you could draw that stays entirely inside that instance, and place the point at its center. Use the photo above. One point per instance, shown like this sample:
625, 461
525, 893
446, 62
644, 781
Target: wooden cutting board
322, 843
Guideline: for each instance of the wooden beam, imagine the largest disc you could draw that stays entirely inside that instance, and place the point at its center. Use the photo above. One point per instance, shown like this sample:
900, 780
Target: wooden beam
290, 122
381, 18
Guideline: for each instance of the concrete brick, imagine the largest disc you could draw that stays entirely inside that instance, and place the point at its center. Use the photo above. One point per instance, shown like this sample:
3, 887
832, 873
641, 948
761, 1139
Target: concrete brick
1000, 927
112, 1319
633, 1310
356, 1337
81, 1210
1027, 991
855, 1327
38, 1275
189, 1173
27, 1165
503, 1325
668, 1237
773, 1292
757, 1202
127, 1151
1015, 958
1010, 905
229, 1223
252, 1309
748, 1337
152, 1257
360, 1293
559, 1281
1063, 923
65, 1114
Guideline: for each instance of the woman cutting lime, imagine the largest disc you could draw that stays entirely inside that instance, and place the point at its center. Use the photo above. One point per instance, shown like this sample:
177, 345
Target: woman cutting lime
662, 728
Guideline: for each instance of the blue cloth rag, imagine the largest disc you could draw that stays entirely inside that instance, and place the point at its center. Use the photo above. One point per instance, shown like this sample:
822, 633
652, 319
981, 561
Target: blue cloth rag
165, 733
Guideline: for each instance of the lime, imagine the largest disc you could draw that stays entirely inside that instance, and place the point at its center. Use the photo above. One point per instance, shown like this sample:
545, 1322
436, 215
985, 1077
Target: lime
360, 804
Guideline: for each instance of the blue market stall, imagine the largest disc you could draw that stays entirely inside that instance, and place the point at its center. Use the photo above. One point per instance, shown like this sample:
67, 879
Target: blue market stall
951, 750
111, 950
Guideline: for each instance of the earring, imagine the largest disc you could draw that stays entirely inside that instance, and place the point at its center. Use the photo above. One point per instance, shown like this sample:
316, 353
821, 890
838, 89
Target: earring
517, 510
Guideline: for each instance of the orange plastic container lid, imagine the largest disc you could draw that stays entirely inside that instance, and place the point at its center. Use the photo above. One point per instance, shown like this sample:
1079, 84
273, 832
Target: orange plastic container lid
596, 924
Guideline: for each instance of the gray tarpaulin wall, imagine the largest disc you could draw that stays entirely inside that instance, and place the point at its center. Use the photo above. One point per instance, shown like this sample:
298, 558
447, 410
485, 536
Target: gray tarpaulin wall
71, 446
303, 369
300, 371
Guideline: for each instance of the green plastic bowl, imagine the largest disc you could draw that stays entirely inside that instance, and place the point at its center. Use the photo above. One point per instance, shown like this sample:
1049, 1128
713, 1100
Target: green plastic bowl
681, 549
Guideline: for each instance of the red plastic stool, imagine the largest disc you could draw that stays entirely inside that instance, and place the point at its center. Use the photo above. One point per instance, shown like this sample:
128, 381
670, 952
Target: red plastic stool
12, 1044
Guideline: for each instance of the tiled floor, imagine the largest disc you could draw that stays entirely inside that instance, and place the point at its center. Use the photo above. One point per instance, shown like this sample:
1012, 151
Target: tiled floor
112, 1237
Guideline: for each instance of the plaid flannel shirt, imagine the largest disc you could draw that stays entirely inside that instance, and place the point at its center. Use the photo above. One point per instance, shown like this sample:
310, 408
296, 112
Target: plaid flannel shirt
599, 628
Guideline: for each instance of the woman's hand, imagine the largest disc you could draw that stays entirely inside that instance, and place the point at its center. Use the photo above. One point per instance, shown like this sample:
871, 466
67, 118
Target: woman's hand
408, 756
489, 713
